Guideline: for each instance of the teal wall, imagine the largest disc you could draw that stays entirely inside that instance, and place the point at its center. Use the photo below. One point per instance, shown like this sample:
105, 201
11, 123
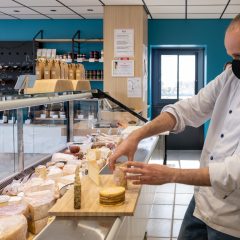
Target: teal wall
24, 30
208, 33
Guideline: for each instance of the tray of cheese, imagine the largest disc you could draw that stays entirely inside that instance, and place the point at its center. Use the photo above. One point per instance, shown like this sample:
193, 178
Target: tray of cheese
90, 205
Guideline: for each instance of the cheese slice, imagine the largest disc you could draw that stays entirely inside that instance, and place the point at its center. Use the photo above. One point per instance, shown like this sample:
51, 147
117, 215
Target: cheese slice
93, 154
93, 172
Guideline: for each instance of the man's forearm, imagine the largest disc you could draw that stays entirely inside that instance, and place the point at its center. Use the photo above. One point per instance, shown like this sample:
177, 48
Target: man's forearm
164, 122
196, 177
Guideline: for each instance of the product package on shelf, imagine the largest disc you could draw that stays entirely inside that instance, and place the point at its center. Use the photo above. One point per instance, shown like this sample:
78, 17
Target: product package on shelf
55, 70
13, 227
39, 204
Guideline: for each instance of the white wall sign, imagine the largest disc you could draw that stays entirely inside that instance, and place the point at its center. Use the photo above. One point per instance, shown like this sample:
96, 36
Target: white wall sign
123, 43
123, 68
134, 87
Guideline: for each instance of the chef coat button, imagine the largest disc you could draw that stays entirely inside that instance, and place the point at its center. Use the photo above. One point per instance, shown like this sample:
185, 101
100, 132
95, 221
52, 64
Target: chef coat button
230, 111
211, 158
222, 135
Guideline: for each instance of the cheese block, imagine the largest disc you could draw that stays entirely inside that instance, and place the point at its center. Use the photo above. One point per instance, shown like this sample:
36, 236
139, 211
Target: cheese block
15, 210
69, 169
112, 196
93, 172
62, 157
39, 204
13, 227
93, 154
4, 200
54, 173
36, 227
105, 152
66, 179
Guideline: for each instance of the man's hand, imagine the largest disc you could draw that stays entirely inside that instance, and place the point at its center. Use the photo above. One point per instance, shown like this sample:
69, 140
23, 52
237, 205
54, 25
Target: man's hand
127, 148
156, 174
152, 174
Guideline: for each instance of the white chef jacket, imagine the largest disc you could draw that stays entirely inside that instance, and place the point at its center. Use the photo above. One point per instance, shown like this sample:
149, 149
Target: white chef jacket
219, 205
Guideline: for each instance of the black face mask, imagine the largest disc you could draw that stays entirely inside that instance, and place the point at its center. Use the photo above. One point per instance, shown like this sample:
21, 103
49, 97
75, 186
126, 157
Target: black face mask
236, 68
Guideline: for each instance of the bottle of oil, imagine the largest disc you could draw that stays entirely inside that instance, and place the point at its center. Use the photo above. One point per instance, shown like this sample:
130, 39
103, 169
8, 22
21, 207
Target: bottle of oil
77, 190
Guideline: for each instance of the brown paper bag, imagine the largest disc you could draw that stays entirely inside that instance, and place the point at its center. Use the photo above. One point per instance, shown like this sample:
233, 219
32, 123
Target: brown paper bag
47, 70
39, 69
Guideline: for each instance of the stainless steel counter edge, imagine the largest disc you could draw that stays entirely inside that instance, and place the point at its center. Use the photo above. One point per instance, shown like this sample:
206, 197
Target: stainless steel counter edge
89, 228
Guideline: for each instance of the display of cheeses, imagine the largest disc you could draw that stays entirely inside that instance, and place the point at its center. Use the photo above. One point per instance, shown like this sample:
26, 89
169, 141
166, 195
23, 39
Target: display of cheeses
24, 203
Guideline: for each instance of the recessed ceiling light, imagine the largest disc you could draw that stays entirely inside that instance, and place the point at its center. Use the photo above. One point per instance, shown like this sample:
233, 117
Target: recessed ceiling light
90, 10
16, 10
53, 10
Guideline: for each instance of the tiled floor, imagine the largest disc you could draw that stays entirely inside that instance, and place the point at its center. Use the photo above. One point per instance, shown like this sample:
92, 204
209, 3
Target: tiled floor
171, 200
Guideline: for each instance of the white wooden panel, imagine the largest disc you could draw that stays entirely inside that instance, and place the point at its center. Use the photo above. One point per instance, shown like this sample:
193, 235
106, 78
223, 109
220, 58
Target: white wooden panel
81, 2
168, 16
22, 10
3, 16
47, 10
207, 2
166, 9
206, 9
229, 15
122, 2
8, 3
39, 3
31, 16
164, 2
93, 16
233, 9
84, 10
203, 16
64, 16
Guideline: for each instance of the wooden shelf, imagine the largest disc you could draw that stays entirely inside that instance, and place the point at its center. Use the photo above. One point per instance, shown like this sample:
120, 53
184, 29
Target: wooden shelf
96, 40
53, 40
56, 40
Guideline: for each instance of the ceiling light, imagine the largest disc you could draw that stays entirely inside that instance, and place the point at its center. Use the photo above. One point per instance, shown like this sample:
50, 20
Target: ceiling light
90, 10
16, 10
53, 10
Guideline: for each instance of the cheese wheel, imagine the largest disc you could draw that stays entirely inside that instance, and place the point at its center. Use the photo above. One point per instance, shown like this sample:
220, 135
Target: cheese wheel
112, 191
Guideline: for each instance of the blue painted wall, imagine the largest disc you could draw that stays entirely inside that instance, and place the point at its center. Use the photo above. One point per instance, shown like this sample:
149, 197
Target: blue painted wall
209, 33
14, 30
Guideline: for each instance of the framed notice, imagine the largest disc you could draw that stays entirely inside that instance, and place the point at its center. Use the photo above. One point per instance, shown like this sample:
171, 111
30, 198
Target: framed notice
134, 87
123, 68
123, 43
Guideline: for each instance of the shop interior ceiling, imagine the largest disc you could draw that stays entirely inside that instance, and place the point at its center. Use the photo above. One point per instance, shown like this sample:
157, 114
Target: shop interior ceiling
93, 9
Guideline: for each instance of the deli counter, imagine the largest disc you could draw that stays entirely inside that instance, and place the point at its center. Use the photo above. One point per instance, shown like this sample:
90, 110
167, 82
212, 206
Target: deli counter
35, 133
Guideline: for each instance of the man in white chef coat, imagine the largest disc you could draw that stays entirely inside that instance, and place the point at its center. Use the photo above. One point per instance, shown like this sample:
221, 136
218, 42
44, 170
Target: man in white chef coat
214, 211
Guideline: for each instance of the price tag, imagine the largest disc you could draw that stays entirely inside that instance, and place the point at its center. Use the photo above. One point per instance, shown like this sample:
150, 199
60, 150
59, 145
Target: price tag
91, 60
79, 59
100, 59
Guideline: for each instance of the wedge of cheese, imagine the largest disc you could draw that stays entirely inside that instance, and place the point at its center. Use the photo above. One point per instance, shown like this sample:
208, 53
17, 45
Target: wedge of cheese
93, 154
93, 172
13, 227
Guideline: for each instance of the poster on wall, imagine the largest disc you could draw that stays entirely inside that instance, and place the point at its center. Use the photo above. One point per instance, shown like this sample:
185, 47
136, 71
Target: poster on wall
134, 86
123, 43
123, 68
145, 73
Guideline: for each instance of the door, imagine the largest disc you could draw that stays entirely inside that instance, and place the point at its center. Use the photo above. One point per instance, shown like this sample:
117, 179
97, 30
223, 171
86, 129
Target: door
177, 74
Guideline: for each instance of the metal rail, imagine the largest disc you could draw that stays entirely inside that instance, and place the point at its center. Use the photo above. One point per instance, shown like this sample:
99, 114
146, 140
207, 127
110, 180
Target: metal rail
31, 102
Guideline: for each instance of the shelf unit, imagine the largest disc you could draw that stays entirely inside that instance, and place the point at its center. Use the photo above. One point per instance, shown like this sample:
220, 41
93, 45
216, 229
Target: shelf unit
75, 48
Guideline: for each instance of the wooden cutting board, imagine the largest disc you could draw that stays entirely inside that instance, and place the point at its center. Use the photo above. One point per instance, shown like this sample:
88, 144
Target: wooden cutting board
90, 200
